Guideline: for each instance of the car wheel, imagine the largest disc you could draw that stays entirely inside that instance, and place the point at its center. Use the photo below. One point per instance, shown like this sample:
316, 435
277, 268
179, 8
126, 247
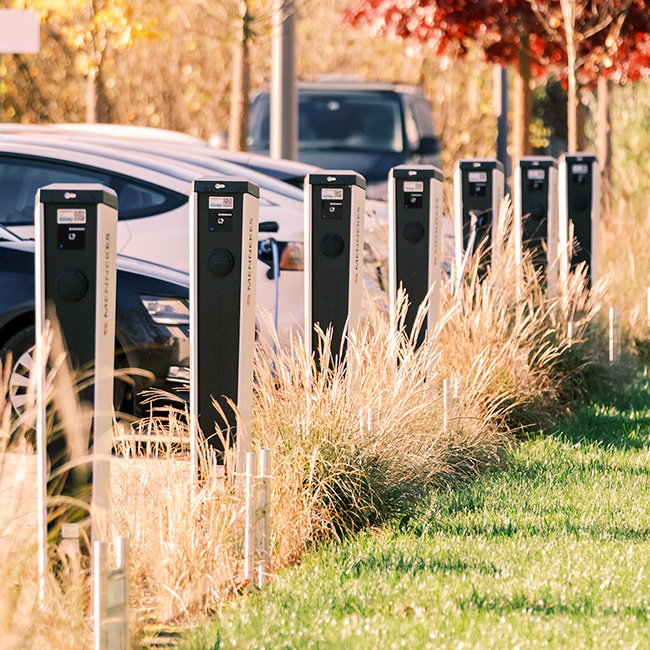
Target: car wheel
21, 348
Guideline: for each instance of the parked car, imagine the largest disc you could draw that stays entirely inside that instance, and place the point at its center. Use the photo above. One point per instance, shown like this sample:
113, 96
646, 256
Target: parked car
147, 138
288, 171
151, 333
153, 187
367, 127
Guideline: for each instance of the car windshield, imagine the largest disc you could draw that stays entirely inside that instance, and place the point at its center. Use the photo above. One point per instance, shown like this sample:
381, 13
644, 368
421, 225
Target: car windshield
331, 122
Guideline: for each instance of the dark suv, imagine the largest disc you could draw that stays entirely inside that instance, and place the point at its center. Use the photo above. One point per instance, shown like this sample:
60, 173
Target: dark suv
366, 127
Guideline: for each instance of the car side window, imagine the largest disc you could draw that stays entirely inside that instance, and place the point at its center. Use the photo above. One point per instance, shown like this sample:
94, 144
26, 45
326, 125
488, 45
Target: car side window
20, 178
412, 132
418, 121
422, 115
260, 120
139, 199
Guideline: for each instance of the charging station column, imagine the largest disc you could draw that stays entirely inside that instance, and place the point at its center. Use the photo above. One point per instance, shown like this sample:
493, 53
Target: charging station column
478, 190
415, 241
579, 211
223, 276
536, 215
334, 240
75, 277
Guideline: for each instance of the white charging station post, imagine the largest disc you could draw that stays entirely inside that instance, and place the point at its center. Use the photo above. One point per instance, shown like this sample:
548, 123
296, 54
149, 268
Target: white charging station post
415, 199
334, 241
223, 277
579, 212
75, 276
536, 215
478, 191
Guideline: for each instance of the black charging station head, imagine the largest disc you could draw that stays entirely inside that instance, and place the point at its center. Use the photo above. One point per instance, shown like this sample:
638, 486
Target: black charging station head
229, 186
410, 179
345, 177
469, 164
416, 172
87, 193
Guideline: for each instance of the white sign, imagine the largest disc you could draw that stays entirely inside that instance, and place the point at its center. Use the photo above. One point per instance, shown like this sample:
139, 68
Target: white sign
332, 194
71, 215
19, 31
221, 202
414, 186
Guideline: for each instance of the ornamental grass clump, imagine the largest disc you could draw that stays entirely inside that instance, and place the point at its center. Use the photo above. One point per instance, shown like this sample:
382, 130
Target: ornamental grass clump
185, 535
358, 441
60, 618
527, 349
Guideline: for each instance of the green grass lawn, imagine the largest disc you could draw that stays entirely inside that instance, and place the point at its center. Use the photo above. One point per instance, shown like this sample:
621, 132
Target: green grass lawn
550, 551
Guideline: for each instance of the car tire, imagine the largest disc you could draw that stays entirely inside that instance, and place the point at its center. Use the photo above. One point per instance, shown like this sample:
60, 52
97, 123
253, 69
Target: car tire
21, 348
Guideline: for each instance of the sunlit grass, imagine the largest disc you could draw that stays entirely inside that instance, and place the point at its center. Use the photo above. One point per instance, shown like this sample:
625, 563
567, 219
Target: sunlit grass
548, 551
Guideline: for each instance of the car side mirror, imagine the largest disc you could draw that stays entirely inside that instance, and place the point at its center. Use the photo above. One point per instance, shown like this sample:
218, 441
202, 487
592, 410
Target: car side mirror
429, 145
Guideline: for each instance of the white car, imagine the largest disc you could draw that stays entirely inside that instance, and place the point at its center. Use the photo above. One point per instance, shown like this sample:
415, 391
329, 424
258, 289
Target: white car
153, 195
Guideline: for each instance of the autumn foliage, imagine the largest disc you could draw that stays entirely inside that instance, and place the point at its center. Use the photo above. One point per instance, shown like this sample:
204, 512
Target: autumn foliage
613, 37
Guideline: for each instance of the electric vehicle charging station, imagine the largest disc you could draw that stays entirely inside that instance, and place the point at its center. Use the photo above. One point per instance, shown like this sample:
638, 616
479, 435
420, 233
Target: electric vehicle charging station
334, 241
536, 215
415, 198
75, 273
579, 212
223, 279
479, 185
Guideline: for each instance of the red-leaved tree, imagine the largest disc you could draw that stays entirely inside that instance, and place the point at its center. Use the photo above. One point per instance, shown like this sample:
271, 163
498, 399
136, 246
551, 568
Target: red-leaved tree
575, 40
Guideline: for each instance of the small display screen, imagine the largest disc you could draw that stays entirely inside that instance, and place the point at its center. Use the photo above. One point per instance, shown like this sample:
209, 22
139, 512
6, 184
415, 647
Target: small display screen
477, 189
219, 221
332, 210
580, 169
413, 200
536, 174
71, 237
478, 177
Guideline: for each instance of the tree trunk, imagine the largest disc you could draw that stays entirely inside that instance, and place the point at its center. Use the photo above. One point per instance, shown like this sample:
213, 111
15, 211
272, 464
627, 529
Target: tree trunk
91, 97
500, 93
581, 121
604, 139
604, 125
98, 108
522, 106
240, 100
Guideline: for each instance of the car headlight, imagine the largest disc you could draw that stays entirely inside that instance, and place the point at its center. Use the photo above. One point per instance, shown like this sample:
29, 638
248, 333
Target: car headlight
167, 311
